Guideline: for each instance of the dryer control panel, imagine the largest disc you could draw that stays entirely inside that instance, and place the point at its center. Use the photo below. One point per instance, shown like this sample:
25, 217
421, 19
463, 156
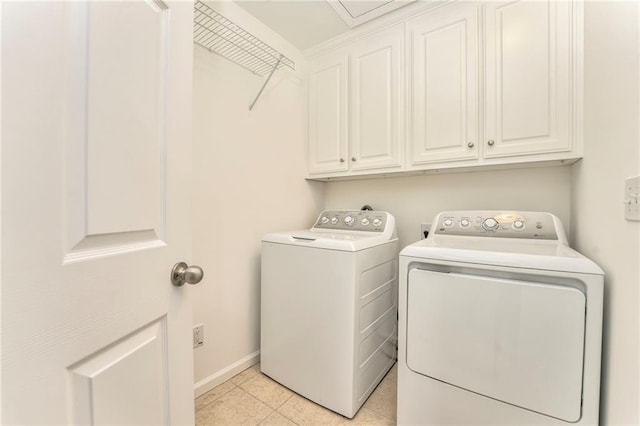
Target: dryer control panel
352, 220
497, 223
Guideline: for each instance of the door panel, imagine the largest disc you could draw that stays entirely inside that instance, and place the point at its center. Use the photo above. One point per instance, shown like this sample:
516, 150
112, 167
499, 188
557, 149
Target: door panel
377, 101
139, 360
445, 85
528, 77
515, 341
96, 104
119, 99
126, 50
328, 115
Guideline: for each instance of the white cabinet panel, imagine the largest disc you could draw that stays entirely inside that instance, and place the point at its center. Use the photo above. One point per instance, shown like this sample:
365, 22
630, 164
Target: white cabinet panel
445, 85
376, 100
528, 79
328, 115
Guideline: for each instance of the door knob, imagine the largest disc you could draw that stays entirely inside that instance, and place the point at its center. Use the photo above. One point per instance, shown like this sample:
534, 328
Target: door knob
183, 273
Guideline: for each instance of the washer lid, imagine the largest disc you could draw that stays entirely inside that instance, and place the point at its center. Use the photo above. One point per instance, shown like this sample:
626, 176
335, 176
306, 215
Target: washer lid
518, 253
341, 241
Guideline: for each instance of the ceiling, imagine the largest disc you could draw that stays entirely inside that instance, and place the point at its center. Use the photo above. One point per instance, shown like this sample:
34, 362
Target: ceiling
302, 23
305, 23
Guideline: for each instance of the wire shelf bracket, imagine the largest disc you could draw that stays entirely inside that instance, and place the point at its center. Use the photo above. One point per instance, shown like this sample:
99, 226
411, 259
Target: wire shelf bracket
221, 36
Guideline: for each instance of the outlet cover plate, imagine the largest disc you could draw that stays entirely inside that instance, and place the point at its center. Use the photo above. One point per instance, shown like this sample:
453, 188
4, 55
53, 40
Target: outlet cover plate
424, 228
198, 335
632, 198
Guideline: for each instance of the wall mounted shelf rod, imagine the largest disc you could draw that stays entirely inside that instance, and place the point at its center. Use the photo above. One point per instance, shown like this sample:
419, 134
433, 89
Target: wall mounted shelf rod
266, 82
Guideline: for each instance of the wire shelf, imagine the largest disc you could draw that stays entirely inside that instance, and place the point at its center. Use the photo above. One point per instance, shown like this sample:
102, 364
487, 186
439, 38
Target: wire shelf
221, 36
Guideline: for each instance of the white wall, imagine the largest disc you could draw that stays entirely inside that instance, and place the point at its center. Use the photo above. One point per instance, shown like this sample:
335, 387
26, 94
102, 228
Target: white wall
249, 173
611, 154
417, 199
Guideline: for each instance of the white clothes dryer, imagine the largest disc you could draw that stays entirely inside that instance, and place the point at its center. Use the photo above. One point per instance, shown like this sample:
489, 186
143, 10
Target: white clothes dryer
500, 322
329, 307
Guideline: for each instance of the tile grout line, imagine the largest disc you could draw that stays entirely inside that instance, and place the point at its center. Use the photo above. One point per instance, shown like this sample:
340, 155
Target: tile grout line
271, 381
261, 402
281, 405
218, 397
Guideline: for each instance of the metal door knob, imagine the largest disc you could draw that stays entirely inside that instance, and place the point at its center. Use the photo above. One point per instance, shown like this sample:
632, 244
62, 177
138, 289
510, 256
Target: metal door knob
183, 273
353, 158
491, 142
470, 144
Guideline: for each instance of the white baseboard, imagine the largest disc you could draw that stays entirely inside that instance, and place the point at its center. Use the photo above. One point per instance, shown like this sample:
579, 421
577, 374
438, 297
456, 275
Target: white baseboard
225, 374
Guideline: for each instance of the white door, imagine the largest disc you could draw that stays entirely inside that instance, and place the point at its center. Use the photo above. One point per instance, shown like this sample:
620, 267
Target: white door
445, 85
96, 147
528, 77
328, 114
376, 88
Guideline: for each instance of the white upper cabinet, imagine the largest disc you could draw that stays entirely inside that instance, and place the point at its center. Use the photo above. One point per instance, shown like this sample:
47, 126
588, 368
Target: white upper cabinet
328, 114
488, 84
377, 101
444, 119
356, 106
528, 78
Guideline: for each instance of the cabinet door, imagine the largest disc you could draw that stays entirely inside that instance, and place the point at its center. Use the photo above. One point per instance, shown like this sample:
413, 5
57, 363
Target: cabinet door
328, 115
444, 121
528, 78
377, 101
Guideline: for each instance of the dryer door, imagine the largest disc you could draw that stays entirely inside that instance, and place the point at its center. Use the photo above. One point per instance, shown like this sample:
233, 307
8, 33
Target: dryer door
519, 342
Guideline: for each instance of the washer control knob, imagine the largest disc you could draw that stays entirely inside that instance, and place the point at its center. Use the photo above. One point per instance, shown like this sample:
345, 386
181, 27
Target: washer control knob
324, 219
349, 220
365, 221
490, 224
334, 220
465, 223
377, 222
518, 225
448, 223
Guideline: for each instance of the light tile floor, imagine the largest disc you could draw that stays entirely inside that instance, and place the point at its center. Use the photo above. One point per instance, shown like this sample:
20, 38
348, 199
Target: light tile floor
251, 398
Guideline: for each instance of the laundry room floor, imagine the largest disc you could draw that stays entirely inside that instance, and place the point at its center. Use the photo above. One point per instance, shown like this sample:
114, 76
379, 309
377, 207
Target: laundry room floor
251, 398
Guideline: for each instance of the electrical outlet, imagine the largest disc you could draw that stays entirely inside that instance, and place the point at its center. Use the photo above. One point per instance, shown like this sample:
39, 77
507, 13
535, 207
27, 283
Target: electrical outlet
424, 230
198, 335
632, 198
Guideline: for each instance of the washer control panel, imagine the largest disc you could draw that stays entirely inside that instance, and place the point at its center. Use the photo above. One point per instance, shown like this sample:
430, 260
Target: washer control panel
496, 223
352, 220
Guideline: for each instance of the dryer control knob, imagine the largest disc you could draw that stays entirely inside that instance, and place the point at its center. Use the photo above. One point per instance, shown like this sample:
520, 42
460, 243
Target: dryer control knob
334, 220
324, 219
465, 223
518, 225
448, 223
349, 220
377, 222
490, 224
364, 221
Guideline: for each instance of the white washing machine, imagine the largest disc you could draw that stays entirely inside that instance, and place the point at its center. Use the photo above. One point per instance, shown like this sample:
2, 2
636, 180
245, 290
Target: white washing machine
329, 307
500, 322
